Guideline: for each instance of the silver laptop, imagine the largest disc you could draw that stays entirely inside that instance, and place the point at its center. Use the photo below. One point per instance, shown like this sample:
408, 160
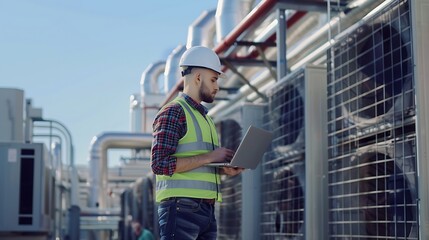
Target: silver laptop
251, 149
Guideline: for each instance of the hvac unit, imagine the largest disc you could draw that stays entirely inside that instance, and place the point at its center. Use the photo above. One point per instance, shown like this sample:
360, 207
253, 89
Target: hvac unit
143, 203
138, 205
238, 213
373, 192
371, 85
293, 170
229, 216
26, 184
371, 129
124, 225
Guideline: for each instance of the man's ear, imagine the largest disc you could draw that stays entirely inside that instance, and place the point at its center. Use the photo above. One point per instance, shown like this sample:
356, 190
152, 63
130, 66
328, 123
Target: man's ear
198, 78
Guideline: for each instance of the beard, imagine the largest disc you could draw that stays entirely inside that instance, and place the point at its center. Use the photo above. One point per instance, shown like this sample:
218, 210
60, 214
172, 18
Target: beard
205, 94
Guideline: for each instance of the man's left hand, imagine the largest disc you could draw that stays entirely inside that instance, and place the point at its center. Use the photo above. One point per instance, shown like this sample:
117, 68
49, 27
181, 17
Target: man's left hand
232, 171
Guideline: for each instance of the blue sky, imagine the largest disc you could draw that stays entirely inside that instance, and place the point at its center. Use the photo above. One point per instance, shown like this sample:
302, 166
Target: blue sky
81, 60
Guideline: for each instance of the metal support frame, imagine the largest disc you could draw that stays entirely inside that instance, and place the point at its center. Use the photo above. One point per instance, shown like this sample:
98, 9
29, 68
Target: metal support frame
281, 43
267, 63
257, 44
249, 62
308, 6
420, 36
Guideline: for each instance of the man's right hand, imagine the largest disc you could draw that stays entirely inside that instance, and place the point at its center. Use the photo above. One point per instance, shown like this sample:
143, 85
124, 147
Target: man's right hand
221, 155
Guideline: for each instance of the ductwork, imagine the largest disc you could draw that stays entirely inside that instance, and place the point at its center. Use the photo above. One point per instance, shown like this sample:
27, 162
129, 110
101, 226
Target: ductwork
229, 14
151, 94
136, 122
98, 165
57, 160
172, 70
202, 31
150, 77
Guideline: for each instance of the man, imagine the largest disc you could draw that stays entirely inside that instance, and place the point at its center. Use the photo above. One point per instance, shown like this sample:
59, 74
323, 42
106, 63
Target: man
140, 232
185, 140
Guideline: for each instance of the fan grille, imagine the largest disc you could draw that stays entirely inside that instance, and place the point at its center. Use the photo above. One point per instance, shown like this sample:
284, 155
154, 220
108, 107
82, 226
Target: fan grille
283, 174
371, 130
231, 206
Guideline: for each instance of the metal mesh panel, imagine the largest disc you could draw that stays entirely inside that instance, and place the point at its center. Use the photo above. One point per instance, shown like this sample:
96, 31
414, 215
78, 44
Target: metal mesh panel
371, 130
370, 80
286, 110
283, 166
229, 220
372, 192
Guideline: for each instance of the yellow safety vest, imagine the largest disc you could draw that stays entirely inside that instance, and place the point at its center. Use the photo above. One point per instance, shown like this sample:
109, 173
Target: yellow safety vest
201, 137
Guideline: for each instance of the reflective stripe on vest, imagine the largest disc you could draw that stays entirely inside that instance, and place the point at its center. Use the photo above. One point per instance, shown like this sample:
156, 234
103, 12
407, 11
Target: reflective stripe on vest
162, 185
202, 182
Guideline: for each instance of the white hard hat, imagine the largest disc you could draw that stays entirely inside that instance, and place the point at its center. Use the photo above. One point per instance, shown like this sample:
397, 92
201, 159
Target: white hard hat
200, 56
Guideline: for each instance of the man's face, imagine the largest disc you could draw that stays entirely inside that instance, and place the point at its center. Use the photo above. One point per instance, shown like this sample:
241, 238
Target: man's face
209, 86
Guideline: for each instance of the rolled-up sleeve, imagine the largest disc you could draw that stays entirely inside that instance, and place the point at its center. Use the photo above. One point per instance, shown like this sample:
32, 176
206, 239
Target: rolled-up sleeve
168, 128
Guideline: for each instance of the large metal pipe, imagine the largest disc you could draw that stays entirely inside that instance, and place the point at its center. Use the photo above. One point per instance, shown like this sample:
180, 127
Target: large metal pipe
250, 19
98, 177
172, 71
229, 14
150, 78
202, 31
136, 113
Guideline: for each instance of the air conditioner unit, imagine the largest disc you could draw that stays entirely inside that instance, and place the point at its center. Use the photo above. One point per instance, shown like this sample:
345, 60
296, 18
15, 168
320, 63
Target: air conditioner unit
146, 209
138, 205
373, 192
124, 225
238, 213
371, 86
293, 189
12, 115
27, 189
372, 128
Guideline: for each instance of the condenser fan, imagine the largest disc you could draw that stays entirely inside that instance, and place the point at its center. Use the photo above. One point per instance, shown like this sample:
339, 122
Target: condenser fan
230, 134
374, 194
230, 211
287, 116
385, 199
372, 68
289, 188
381, 73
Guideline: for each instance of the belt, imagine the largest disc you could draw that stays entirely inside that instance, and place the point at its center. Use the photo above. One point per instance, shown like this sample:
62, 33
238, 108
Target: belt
203, 200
